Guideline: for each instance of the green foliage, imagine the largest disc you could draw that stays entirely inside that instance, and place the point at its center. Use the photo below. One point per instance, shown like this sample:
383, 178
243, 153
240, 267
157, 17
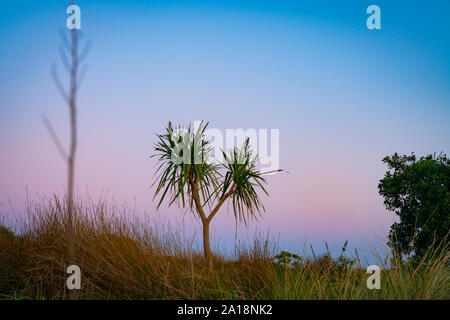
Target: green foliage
186, 164
240, 170
342, 263
418, 191
183, 157
287, 259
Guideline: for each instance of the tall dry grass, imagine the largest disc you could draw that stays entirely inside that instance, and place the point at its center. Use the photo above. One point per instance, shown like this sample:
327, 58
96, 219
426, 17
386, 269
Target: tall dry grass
124, 258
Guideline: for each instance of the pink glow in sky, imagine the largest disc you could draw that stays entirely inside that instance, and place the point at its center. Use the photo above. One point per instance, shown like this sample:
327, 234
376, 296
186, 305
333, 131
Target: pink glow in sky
343, 97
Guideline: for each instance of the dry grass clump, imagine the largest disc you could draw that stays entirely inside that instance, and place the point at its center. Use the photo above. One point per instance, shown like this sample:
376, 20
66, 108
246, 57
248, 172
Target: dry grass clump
122, 258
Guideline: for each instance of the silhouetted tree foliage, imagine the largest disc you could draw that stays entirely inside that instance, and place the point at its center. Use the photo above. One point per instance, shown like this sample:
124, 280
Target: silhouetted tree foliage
418, 191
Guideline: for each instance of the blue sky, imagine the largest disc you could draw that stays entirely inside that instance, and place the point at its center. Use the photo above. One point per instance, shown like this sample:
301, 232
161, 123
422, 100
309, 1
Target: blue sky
342, 96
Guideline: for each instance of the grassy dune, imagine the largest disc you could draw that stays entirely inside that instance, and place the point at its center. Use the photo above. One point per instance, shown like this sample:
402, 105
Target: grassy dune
124, 259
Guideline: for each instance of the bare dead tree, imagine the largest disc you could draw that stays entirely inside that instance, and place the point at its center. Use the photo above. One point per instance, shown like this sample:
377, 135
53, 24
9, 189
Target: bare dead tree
72, 59
73, 139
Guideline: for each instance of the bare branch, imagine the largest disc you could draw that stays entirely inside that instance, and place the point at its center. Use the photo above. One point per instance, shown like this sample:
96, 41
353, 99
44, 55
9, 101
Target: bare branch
59, 85
54, 137
221, 201
81, 75
64, 40
85, 51
64, 59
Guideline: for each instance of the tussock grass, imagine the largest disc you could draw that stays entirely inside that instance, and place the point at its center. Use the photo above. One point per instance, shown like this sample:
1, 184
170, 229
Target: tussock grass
122, 258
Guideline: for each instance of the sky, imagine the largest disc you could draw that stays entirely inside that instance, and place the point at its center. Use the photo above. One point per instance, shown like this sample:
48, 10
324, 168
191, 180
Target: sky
342, 96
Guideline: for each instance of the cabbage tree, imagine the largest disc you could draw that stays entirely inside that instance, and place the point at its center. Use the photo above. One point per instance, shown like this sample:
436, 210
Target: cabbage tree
189, 175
